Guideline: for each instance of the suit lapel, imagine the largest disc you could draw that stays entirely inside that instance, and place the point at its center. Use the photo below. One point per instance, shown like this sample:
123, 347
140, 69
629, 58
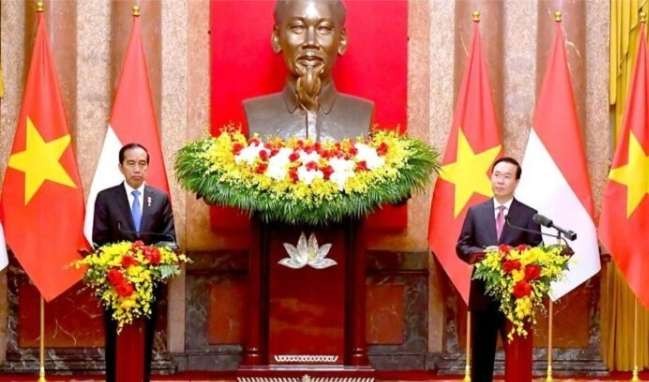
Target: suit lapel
511, 216
147, 202
490, 221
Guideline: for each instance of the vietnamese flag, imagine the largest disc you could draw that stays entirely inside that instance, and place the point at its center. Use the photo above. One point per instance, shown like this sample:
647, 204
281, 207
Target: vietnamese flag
42, 199
624, 221
473, 145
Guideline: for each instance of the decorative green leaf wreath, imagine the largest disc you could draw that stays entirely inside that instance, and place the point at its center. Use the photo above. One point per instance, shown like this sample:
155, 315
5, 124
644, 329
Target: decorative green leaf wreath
298, 181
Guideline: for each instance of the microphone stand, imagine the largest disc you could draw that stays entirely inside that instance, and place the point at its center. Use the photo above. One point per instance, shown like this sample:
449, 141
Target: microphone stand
560, 239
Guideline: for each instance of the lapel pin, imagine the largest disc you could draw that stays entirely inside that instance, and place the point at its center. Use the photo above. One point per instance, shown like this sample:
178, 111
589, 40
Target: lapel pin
148, 201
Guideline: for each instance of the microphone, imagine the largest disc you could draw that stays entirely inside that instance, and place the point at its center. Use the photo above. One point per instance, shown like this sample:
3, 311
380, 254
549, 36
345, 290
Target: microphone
547, 222
163, 239
524, 229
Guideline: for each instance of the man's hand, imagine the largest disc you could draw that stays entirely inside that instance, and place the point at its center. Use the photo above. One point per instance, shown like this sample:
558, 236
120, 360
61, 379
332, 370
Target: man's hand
476, 257
567, 251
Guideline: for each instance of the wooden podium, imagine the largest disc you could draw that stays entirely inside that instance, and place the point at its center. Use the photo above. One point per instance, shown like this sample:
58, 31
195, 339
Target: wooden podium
306, 318
518, 356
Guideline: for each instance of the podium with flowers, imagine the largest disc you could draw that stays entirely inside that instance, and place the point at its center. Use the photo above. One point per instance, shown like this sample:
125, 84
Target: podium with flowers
124, 277
307, 199
520, 278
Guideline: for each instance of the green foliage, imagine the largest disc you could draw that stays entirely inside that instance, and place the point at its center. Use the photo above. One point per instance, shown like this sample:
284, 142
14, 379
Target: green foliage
195, 174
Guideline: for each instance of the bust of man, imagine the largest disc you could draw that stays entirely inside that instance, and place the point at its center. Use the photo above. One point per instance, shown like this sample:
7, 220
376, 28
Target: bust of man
310, 34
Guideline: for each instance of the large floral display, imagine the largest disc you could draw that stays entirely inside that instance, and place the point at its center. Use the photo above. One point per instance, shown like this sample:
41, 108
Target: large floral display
298, 181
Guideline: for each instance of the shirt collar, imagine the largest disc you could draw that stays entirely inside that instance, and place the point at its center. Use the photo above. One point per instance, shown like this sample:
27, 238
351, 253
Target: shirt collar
129, 189
507, 204
327, 98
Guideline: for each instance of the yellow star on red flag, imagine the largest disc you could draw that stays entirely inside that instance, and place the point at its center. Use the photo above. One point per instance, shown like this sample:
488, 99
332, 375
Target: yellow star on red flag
40, 161
469, 172
634, 175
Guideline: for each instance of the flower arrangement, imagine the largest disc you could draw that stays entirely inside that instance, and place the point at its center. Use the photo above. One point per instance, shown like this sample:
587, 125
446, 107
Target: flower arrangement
520, 278
299, 181
124, 274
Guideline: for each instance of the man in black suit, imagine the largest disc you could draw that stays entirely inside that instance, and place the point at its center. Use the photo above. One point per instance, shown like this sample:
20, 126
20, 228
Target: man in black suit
488, 224
132, 211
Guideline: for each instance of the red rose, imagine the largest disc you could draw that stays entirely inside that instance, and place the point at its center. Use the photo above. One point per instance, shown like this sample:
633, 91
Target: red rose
263, 155
383, 149
127, 261
124, 289
236, 148
522, 247
261, 168
308, 149
511, 265
153, 255
532, 272
317, 146
522, 289
504, 248
274, 152
253, 141
138, 244
361, 166
326, 154
292, 173
353, 150
312, 166
294, 156
327, 171
115, 277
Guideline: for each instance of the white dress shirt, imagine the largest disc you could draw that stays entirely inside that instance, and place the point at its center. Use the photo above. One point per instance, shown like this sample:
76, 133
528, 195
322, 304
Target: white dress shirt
507, 204
129, 195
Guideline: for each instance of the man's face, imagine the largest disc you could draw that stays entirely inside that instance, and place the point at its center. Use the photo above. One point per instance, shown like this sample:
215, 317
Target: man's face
503, 180
310, 37
134, 166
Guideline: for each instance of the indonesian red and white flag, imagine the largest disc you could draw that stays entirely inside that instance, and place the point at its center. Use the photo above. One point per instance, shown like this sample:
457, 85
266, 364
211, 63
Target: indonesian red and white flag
555, 177
132, 120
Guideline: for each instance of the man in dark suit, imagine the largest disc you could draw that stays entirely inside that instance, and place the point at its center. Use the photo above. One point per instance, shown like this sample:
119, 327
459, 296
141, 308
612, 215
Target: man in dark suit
132, 211
489, 224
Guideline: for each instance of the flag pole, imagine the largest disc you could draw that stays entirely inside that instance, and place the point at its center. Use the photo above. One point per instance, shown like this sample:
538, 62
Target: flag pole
548, 378
41, 372
40, 7
475, 16
635, 377
467, 367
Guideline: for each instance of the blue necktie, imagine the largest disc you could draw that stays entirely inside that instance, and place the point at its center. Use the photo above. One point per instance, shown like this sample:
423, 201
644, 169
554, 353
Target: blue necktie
136, 210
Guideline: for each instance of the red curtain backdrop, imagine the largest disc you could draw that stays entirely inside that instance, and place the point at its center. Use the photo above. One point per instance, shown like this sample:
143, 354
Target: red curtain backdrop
374, 67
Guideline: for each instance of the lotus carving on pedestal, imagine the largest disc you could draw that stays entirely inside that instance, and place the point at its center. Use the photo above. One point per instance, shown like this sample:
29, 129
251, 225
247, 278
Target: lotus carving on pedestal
307, 253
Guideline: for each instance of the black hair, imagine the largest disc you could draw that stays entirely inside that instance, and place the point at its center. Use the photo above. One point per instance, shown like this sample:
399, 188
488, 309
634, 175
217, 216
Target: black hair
338, 9
511, 160
130, 146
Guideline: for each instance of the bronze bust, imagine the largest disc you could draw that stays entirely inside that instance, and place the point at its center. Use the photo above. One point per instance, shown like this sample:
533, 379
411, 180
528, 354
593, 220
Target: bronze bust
309, 34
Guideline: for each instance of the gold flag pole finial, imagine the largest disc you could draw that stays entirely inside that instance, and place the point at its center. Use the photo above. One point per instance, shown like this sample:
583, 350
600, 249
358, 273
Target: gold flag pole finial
557, 16
136, 10
476, 16
643, 17
40, 6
